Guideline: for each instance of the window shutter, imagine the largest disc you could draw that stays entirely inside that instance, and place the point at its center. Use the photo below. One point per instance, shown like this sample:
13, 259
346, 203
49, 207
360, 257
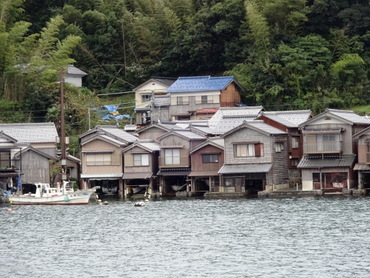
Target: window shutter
258, 148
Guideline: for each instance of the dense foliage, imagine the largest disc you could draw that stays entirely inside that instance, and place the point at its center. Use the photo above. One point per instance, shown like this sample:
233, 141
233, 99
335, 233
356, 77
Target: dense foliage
288, 54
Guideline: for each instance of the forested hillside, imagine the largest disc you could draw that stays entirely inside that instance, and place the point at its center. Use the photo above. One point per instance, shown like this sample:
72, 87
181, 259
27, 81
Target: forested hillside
288, 54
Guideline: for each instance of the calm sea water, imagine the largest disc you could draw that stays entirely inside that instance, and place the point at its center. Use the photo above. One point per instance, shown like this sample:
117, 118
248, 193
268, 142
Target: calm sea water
296, 237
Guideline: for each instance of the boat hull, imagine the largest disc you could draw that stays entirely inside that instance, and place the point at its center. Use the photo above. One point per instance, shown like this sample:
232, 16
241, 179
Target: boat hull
74, 198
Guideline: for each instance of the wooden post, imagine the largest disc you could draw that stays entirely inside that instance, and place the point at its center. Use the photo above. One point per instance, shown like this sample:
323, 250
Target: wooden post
120, 189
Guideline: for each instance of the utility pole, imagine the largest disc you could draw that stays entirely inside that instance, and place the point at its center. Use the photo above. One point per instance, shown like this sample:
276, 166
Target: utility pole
62, 129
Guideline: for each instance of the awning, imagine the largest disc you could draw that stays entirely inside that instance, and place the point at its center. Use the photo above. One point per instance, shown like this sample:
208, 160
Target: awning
362, 167
174, 172
312, 162
203, 173
8, 174
140, 175
101, 176
245, 168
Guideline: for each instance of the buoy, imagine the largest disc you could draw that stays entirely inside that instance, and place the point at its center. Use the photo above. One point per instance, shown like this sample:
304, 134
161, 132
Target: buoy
10, 210
139, 204
105, 203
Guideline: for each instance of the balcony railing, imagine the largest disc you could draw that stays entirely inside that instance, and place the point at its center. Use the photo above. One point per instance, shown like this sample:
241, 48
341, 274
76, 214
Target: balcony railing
184, 161
322, 147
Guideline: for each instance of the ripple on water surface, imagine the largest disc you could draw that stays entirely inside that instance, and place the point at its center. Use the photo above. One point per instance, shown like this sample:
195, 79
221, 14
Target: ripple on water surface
304, 237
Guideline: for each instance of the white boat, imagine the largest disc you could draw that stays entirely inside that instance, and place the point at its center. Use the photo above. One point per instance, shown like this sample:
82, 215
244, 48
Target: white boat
46, 195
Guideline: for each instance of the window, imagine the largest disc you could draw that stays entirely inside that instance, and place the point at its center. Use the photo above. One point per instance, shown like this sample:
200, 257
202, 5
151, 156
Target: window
279, 147
210, 158
141, 159
295, 142
98, 159
246, 150
204, 99
328, 142
182, 100
146, 97
172, 157
294, 162
5, 159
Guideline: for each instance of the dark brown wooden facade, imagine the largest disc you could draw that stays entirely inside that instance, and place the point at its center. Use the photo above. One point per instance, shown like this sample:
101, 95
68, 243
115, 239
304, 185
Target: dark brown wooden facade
206, 161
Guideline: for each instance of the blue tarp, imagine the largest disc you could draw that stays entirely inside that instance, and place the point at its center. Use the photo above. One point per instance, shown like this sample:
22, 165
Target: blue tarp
113, 114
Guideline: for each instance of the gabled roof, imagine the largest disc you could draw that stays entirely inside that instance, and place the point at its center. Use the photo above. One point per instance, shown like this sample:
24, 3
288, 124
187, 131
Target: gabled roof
227, 118
111, 132
165, 81
346, 116
31, 132
213, 141
72, 70
362, 132
163, 126
288, 118
257, 125
186, 134
7, 137
29, 148
145, 145
200, 84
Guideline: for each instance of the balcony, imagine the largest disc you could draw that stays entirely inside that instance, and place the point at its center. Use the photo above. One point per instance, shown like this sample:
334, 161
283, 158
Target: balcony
174, 162
322, 147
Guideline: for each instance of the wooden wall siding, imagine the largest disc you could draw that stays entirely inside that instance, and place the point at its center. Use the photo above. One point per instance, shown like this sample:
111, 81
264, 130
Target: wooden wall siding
184, 159
246, 135
194, 143
35, 168
129, 160
229, 96
279, 169
197, 162
95, 145
363, 153
152, 133
174, 140
346, 135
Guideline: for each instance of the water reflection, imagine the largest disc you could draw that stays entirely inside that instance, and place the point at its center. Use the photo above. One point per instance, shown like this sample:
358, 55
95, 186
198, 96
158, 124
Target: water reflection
307, 237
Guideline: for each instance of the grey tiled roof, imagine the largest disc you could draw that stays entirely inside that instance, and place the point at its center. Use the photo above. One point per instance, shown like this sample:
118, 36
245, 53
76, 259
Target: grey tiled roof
361, 167
234, 114
31, 132
189, 134
288, 118
245, 168
349, 115
264, 127
75, 71
119, 133
345, 160
174, 172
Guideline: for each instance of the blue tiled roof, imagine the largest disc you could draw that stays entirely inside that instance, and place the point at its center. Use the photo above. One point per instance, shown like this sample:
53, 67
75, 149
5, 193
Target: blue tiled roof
199, 84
